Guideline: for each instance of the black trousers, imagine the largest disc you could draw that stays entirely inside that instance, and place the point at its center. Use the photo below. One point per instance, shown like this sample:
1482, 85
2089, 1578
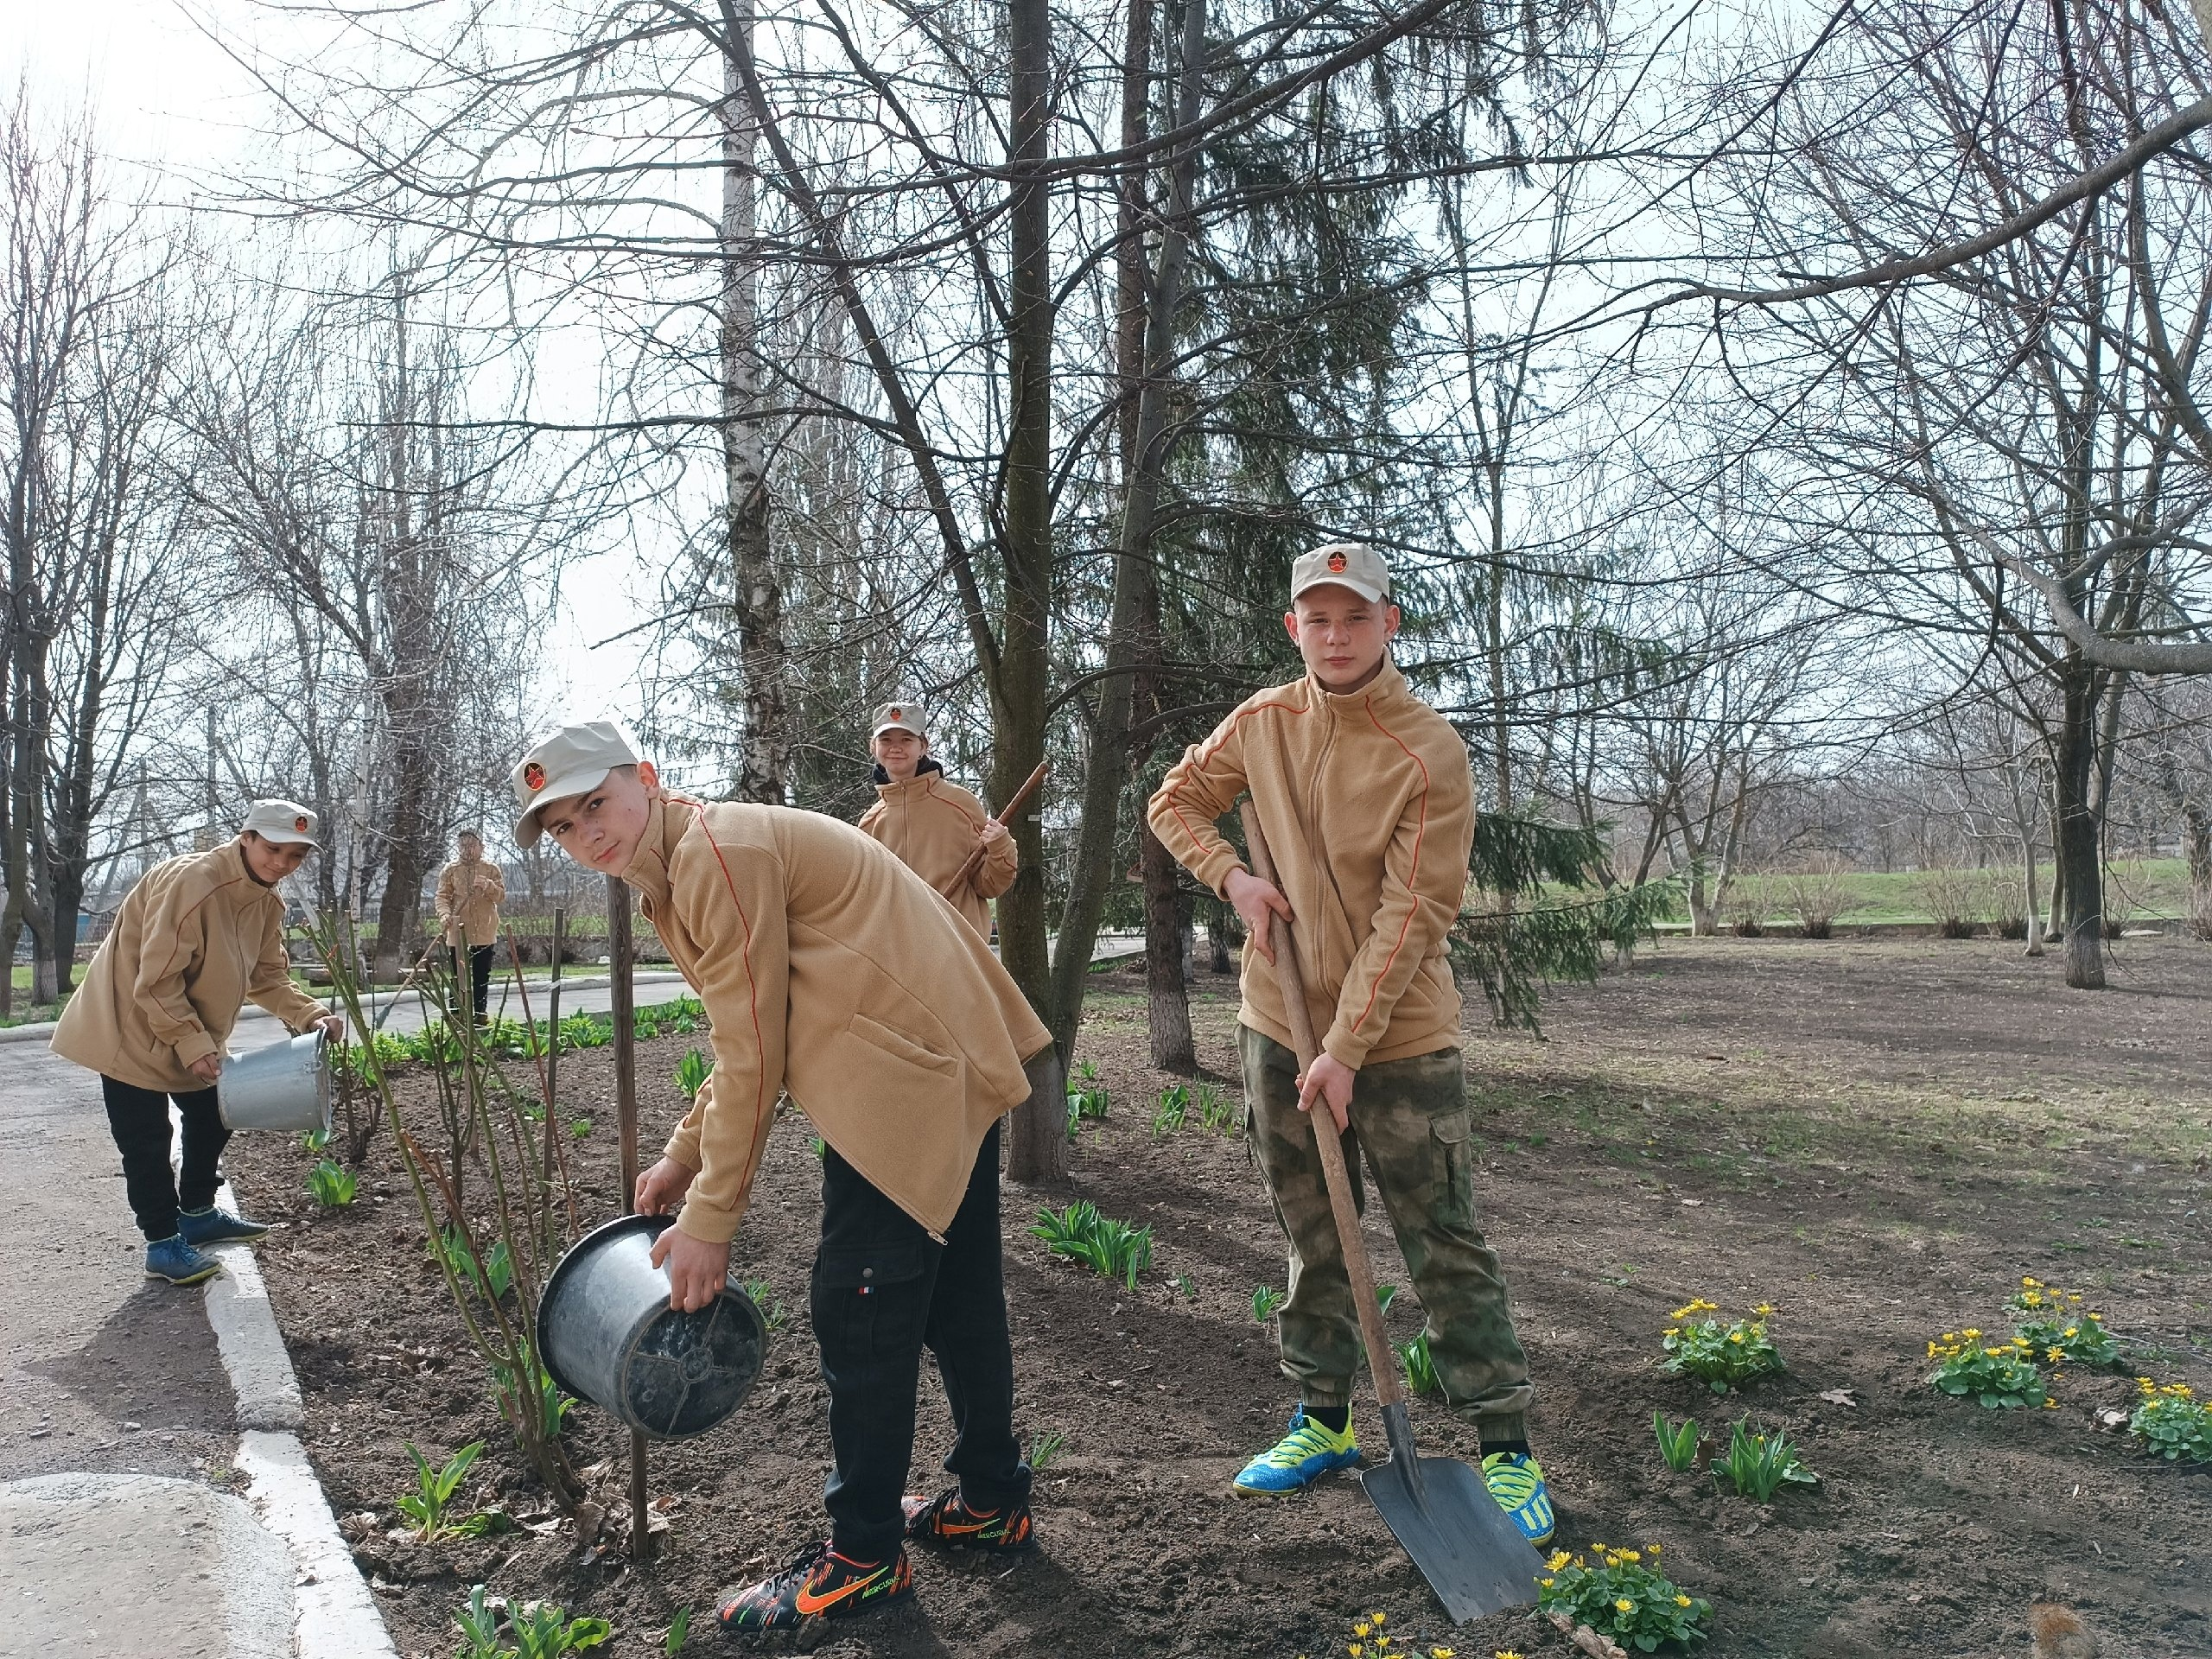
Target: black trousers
139, 1119
882, 1288
480, 974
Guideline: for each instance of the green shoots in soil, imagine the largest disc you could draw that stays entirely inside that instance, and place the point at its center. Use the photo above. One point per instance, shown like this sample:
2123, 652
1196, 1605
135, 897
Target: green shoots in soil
1265, 1300
1418, 1369
332, 1184
1761, 1464
433, 1491
1677, 1445
1111, 1249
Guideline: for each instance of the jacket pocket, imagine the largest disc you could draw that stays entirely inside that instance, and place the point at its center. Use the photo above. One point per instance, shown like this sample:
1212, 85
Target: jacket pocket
899, 1047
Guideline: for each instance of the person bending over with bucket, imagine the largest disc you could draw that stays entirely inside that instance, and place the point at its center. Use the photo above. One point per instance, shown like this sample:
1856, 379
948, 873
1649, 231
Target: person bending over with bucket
197, 937
830, 971
930, 822
1365, 798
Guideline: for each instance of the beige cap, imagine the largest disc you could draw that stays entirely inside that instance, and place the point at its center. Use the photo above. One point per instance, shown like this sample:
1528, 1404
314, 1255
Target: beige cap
900, 717
1347, 564
286, 823
564, 763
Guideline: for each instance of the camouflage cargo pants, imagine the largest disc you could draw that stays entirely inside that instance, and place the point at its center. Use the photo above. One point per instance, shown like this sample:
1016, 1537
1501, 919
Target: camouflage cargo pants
1409, 1122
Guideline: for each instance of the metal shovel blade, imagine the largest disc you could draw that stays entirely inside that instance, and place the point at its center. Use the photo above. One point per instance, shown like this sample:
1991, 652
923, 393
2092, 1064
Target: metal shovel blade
1443, 1516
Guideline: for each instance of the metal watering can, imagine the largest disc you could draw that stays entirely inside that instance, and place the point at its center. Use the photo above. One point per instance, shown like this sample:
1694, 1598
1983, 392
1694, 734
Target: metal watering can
285, 1086
607, 1335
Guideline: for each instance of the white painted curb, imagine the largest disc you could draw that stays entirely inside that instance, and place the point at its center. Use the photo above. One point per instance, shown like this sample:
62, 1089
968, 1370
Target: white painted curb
335, 1617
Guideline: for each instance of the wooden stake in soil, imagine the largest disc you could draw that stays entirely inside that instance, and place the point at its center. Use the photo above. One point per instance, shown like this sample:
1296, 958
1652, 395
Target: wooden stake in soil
622, 1008
553, 1016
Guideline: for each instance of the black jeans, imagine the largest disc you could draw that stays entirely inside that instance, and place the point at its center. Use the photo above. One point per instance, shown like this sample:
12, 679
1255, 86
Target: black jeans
480, 974
139, 1119
881, 1289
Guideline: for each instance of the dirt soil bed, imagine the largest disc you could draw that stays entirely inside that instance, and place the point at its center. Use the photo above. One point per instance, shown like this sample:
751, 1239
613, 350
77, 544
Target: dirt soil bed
1878, 1138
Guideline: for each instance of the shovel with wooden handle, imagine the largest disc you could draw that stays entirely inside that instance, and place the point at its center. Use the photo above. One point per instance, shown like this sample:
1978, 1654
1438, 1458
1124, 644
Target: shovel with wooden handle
1440, 1510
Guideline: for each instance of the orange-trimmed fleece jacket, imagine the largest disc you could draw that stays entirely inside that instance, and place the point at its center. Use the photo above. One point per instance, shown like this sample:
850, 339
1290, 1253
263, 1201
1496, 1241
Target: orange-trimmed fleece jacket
832, 973
931, 823
1369, 808
195, 939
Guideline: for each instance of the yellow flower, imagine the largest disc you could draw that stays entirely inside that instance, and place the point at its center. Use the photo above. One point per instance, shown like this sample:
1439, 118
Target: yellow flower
2053, 1353
1559, 1558
1735, 1336
2050, 1404
2071, 1331
1378, 1619
2028, 1282
1354, 1650
1971, 1331
2099, 1318
1359, 1629
1546, 1583
1764, 1308
1632, 1555
1651, 1549
1625, 1605
1681, 1601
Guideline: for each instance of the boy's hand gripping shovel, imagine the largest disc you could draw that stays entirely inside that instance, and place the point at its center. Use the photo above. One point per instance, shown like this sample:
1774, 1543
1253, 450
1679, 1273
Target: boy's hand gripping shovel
1440, 1510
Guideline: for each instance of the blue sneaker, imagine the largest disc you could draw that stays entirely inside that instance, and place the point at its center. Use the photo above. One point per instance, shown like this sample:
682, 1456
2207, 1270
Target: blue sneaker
214, 1226
1301, 1457
1516, 1481
172, 1259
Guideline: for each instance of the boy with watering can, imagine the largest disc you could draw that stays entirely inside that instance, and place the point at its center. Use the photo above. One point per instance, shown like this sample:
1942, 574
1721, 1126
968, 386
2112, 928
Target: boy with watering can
832, 973
1364, 795
930, 822
196, 939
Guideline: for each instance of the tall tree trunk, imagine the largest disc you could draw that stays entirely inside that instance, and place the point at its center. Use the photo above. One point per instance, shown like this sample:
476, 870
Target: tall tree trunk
1093, 866
763, 766
1166, 936
1037, 1150
2079, 864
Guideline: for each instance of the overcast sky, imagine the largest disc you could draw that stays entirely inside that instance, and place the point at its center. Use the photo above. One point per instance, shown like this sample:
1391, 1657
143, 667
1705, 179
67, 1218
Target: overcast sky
165, 96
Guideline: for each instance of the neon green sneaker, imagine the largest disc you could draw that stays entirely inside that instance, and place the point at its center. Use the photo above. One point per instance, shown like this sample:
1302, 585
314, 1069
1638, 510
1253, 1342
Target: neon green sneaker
1516, 1481
1301, 1457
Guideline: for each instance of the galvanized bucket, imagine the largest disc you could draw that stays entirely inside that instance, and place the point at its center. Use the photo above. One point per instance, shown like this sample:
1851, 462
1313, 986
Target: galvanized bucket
607, 1335
285, 1086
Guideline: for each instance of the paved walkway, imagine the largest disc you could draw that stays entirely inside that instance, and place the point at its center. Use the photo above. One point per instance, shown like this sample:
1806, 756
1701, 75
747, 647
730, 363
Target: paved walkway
153, 1496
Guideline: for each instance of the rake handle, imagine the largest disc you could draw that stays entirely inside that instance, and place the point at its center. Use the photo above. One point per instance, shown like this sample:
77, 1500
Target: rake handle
1382, 1362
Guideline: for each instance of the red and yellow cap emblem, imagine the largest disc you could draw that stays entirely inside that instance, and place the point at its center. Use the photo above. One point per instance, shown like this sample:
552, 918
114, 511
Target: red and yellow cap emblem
1336, 563
897, 713
300, 823
533, 776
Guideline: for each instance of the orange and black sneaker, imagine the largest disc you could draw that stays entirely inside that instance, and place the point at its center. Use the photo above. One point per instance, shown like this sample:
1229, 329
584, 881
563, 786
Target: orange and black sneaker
946, 1520
818, 1586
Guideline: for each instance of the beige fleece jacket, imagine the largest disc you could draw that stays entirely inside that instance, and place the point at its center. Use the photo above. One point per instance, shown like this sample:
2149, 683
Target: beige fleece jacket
932, 824
829, 972
1369, 810
195, 939
471, 890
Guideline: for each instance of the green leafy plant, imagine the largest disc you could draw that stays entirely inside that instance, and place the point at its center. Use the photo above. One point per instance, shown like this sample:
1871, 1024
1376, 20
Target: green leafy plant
1045, 1448
773, 1314
1999, 1377
1216, 1111
552, 1406
1761, 1464
2171, 1422
1721, 1354
494, 1278
691, 1073
479, 1630
547, 1632
679, 1632
818, 1146
437, 1042
1108, 1247
1183, 1283
1175, 1110
316, 1141
433, 1491
1085, 1099
585, 1031
1265, 1300
1384, 1295
332, 1184
1621, 1598
1418, 1369
1677, 1443
2053, 1323
580, 1127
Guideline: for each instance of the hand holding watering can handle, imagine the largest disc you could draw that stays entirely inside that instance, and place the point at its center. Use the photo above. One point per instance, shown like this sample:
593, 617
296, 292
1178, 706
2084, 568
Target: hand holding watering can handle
1388, 1390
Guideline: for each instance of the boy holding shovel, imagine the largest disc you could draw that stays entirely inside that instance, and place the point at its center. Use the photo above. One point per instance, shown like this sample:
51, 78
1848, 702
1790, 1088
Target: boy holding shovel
829, 972
196, 939
1365, 795
470, 891
930, 822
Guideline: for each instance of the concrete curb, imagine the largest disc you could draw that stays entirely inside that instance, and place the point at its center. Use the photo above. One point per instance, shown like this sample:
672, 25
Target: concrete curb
334, 1615
43, 1030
